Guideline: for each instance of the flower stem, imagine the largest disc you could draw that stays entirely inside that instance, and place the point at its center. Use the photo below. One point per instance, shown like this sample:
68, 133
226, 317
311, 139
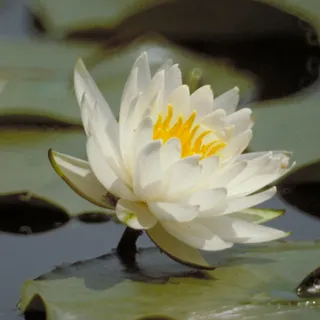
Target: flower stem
127, 249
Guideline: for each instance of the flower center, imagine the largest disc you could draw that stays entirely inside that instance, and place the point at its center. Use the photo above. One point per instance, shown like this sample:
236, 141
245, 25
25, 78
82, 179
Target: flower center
188, 134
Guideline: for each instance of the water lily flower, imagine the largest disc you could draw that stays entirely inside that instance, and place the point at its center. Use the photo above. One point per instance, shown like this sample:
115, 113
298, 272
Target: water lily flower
174, 165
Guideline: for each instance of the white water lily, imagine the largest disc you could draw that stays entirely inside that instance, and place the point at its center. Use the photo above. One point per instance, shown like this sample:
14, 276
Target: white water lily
173, 164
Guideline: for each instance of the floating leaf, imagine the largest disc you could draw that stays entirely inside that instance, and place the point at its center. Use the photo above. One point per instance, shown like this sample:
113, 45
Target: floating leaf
39, 85
292, 123
289, 124
251, 283
37, 76
59, 16
25, 165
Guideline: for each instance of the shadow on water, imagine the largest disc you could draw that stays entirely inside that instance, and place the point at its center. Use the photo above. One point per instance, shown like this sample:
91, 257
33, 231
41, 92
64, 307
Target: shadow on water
156, 317
33, 121
301, 189
93, 217
25, 213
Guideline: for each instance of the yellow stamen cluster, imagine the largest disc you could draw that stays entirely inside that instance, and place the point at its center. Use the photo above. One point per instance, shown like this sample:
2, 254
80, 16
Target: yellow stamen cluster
186, 132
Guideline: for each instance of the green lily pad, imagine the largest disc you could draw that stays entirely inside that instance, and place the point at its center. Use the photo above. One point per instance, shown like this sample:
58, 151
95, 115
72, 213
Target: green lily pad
252, 282
74, 14
25, 165
36, 76
40, 83
289, 124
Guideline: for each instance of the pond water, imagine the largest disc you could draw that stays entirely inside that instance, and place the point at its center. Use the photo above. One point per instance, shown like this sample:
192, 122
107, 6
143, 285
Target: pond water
27, 256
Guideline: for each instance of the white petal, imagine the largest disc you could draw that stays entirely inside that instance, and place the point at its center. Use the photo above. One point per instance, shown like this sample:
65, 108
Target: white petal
267, 174
227, 175
127, 130
173, 80
165, 66
228, 101
196, 235
98, 119
182, 177
209, 166
147, 172
179, 98
137, 81
108, 146
237, 144
252, 155
170, 153
215, 120
240, 231
144, 75
89, 97
253, 167
241, 120
207, 200
202, 101
130, 92
135, 215
152, 97
145, 102
105, 174
173, 211
241, 203
79, 176
176, 249
143, 134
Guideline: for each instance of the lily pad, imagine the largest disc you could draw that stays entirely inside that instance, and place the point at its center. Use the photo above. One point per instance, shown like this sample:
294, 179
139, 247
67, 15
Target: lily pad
25, 165
289, 124
59, 16
253, 283
40, 83
36, 76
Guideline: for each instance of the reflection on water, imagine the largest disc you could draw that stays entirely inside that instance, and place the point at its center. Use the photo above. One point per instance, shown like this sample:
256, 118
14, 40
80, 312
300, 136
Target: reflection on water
26, 256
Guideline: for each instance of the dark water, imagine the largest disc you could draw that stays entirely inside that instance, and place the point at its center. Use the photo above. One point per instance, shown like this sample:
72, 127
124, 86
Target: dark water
26, 256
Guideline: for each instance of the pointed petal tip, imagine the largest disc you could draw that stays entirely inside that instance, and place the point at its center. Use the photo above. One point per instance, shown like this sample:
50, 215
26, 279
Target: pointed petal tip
51, 153
96, 190
79, 66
